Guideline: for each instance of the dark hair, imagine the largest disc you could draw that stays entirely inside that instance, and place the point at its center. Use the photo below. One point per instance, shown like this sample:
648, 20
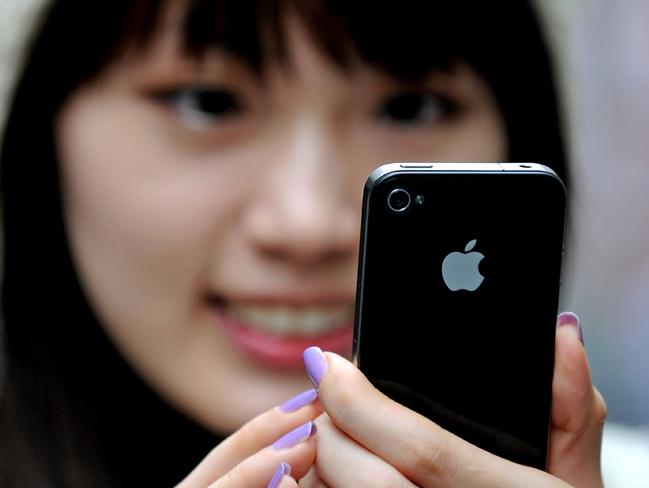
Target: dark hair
73, 413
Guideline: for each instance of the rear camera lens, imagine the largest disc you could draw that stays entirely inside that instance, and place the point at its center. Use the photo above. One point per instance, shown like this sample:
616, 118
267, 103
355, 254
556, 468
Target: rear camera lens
398, 200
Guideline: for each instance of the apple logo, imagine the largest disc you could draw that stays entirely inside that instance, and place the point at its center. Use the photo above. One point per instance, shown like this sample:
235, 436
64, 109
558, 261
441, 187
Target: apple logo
460, 269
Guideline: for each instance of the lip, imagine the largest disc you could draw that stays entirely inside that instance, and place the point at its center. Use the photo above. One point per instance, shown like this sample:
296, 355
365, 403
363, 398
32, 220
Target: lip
281, 350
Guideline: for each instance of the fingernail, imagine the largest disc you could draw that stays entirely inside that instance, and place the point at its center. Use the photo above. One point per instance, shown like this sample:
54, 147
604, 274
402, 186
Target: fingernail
282, 469
570, 318
298, 401
315, 364
294, 437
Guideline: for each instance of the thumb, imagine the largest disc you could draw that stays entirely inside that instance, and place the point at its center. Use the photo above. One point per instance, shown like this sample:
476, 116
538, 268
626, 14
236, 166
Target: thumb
578, 410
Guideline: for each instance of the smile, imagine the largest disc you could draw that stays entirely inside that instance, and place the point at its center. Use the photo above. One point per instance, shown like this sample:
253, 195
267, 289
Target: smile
277, 334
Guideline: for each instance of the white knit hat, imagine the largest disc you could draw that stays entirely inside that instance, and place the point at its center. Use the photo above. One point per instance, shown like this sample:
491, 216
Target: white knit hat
19, 23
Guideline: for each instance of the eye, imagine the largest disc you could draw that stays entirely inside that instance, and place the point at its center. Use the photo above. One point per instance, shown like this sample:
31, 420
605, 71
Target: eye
416, 108
201, 107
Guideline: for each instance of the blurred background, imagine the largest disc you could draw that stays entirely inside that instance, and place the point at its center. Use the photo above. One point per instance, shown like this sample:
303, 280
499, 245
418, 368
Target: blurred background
607, 271
602, 46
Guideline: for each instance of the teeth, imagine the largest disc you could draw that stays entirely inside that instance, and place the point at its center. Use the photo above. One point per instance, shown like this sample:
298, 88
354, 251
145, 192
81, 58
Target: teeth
284, 320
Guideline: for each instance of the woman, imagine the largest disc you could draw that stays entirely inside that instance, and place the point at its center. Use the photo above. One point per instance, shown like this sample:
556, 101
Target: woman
181, 193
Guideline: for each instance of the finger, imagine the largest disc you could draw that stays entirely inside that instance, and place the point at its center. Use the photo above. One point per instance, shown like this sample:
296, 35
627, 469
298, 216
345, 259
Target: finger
312, 480
255, 435
578, 410
343, 462
282, 473
419, 449
281, 479
286, 482
296, 451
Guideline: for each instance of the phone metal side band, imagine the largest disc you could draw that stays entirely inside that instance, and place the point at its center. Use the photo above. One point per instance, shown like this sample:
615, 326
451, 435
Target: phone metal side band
426, 167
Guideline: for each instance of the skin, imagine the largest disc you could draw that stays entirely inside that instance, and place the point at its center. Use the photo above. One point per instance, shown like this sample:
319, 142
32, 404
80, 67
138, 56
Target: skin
247, 458
165, 210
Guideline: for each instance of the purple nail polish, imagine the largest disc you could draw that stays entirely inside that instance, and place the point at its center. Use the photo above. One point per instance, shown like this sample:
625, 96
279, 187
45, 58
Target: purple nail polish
282, 469
298, 401
315, 364
294, 437
570, 318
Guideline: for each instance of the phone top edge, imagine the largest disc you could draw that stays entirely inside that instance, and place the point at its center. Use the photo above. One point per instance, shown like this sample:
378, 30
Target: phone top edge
464, 167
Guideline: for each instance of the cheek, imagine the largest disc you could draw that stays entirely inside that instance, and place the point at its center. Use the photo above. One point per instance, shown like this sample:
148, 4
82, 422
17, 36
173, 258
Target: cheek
483, 137
478, 135
143, 220
150, 227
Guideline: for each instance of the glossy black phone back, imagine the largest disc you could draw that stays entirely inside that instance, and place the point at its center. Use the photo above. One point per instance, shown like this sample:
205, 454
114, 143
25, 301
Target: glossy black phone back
479, 363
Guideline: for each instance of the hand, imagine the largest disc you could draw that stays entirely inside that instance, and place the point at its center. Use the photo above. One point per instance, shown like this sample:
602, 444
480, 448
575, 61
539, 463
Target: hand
264, 451
366, 439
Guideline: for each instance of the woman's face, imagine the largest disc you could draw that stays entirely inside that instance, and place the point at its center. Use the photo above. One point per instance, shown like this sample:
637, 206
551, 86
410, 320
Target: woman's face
213, 214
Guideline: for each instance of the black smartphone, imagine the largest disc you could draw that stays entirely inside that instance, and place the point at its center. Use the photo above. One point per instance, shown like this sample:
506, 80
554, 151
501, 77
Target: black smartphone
457, 297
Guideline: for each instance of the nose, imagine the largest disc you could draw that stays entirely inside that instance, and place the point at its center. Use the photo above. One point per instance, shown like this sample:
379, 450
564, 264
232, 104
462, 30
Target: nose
305, 213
